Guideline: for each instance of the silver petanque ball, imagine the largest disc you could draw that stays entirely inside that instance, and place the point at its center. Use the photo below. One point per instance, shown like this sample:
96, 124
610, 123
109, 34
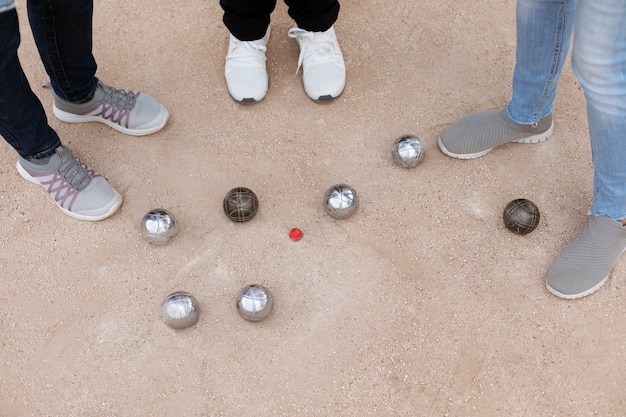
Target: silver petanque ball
180, 310
408, 151
158, 226
255, 303
341, 201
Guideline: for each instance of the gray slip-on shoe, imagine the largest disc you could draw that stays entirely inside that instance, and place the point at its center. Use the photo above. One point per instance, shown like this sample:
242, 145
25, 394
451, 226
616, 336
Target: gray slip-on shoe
585, 264
476, 134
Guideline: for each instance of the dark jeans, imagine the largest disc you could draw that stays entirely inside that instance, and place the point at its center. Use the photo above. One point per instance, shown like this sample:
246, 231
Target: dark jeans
247, 20
63, 34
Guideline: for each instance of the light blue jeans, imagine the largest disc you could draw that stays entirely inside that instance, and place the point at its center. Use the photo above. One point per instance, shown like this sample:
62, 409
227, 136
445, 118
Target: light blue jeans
6, 5
544, 33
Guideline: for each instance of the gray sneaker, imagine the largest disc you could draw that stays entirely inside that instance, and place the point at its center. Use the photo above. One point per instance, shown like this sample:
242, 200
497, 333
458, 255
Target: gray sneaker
585, 264
475, 135
78, 190
129, 112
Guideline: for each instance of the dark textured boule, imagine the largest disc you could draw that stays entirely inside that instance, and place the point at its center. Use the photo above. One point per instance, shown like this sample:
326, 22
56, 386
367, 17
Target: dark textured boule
241, 204
521, 216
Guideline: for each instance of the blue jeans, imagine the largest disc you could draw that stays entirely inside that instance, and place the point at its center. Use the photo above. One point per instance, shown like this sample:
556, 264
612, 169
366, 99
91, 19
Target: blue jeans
544, 33
6, 5
63, 34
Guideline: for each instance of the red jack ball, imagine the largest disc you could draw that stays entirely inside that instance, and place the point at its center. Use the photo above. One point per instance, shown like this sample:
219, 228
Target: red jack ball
295, 234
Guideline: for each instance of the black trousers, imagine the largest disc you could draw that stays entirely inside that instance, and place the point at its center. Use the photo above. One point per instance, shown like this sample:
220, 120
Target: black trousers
247, 20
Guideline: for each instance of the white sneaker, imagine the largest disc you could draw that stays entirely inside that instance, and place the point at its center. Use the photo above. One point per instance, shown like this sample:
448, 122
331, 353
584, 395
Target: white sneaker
323, 67
245, 71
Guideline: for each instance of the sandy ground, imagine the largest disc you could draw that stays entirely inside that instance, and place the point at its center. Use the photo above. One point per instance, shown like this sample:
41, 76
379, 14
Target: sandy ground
422, 304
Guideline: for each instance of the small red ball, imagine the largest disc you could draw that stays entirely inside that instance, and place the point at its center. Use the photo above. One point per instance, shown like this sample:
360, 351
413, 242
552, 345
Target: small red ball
295, 234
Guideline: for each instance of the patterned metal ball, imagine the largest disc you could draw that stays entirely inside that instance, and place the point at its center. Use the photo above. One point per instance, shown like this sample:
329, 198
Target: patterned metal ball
341, 201
255, 303
408, 151
241, 204
180, 310
521, 216
158, 226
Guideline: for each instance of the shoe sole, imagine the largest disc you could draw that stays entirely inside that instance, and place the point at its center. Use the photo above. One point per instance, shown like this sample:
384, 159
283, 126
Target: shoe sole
582, 294
249, 100
75, 118
326, 98
542, 137
112, 210
579, 295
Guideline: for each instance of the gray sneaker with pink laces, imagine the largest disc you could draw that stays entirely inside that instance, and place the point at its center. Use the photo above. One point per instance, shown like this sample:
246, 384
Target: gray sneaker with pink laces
126, 111
78, 190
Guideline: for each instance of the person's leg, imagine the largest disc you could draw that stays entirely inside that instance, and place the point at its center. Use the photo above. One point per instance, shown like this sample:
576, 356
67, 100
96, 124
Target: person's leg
313, 15
323, 66
544, 29
247, 20
77, 190
63, 34
599, 61
23, 122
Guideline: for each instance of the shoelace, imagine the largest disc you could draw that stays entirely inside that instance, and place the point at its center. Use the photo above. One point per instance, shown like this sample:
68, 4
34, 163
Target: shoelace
73, 172
117, 104
247, 53
120, 98
70, 178
316, 48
